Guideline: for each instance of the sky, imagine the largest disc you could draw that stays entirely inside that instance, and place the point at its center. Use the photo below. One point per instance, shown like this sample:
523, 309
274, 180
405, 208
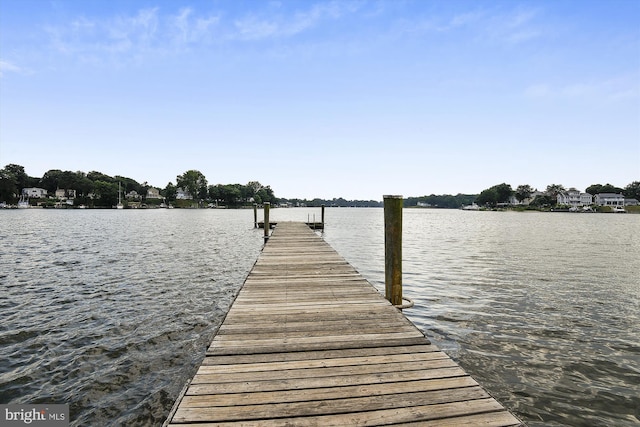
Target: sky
352, 99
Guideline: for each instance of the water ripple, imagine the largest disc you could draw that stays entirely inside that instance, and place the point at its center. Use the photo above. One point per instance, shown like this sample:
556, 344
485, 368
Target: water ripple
111, 312
536, 307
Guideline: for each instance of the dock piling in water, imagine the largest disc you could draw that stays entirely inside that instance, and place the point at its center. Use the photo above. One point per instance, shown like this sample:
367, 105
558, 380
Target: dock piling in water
267, 227
393, 249
255, 215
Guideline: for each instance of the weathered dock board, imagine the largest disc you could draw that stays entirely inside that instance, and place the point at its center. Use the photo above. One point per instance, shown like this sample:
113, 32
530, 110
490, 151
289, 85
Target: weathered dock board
309, 342
312, 225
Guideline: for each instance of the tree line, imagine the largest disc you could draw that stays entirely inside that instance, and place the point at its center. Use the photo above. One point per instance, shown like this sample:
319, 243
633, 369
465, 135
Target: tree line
502, 193
100, 190
335, 202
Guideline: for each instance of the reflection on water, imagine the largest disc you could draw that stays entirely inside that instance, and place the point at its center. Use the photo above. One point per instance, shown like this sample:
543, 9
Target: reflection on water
111, 311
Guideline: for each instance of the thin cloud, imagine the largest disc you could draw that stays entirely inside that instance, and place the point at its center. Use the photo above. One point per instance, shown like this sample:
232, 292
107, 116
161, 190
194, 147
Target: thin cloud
510, 27
6, 66
148, 31
255, 27
188, 28
118, 35
613, 89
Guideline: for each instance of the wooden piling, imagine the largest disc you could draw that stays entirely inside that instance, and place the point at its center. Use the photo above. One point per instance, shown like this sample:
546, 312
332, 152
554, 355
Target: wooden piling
267, 205
393, 248
255, 215
322, 206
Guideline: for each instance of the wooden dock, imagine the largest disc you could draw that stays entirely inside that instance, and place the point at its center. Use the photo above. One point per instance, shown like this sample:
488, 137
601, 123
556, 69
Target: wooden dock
309, 342
312, 225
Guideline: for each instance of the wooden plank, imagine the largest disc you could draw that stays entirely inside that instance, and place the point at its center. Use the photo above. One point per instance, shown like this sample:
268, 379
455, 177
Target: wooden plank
319, 354
324, 407
411, 415
222, 377
309, 342
320, 382
245, 346
326, 393
321, 363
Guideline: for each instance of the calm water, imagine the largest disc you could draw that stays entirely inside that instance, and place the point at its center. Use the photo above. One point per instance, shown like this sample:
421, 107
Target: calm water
111, 311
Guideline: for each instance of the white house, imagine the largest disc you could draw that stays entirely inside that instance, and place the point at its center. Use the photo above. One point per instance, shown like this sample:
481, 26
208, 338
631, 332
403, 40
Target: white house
153, 193
609, 199
526, 202
133, 195
574, 198
65, 194
183, 194
34, 192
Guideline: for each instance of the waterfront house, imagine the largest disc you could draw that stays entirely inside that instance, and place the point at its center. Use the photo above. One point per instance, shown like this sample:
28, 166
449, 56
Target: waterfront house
574, 198
526, 202
183, 194
133, 195
609, 199
34, 192
65, 194
153, 193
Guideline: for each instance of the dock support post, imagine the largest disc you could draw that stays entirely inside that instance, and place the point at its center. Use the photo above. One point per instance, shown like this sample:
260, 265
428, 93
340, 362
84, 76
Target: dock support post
255, 215
393, 248
267, 205
322, 210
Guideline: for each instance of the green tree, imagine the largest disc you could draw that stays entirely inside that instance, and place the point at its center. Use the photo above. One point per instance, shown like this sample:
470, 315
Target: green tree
84, 186
231, 194
500, 193
523, 192
21, 177
8, 185
169, 192
99, 176
594, 189
106, 193
216, 192
504, 192
267, 195
554, 189
194, 182
50, 180
488, 197
543, 201
608, 188
129, 184
254, 186
632, 191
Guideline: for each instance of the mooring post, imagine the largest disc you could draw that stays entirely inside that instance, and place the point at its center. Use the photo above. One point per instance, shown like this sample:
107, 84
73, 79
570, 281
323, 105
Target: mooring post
322, 210
267, 205
393, 249
255, 215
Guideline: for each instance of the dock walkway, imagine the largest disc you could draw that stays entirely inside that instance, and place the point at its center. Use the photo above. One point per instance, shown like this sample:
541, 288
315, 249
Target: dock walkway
309, 342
